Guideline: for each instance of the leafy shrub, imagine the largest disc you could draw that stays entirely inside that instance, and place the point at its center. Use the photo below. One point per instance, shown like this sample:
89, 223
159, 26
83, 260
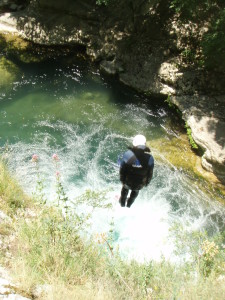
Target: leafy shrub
189, 134
195, 10
213, 43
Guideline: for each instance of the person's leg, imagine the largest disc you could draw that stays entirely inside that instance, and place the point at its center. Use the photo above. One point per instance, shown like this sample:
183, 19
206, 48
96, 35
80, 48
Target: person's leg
133, 196
123, 197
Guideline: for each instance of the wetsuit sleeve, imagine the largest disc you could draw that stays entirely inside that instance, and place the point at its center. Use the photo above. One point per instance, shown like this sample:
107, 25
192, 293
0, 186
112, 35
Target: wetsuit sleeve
123, 165
150, 170
123, 171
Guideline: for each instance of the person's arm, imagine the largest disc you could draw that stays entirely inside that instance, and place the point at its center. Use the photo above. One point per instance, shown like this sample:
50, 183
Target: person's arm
150, 170
123, 171
123, 165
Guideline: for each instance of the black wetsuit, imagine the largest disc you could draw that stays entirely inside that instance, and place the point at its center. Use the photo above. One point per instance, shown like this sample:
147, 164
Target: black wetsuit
136, 170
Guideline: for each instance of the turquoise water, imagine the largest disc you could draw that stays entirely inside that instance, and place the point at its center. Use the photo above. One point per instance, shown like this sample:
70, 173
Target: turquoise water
88, 119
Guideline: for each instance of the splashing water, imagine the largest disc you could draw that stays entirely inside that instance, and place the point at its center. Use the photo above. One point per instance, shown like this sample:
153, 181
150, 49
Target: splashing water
88, 121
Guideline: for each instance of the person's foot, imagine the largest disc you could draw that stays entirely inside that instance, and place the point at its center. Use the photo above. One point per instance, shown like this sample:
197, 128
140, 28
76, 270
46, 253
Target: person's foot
130, 201
122, 203
129, 204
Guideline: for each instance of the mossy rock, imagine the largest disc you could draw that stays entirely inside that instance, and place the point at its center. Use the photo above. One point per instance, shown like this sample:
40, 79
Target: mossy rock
178, 153
22, 50
18, 48
25, 51
8, 73
13, 42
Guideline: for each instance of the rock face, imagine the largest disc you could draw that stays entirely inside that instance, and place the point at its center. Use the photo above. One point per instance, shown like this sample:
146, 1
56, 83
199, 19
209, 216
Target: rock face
205, 116
141, 42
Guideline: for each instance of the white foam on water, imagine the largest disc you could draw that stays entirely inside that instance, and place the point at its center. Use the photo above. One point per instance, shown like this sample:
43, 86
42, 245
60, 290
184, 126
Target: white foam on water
143, 230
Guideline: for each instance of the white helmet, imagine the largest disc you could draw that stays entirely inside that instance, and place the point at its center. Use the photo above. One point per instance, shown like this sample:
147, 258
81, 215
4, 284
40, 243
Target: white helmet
139, 140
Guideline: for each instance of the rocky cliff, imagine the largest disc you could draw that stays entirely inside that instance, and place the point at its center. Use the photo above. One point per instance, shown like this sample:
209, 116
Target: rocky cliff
142, 43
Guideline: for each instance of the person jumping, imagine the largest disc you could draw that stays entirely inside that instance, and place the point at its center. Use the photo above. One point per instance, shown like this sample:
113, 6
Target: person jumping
136, 170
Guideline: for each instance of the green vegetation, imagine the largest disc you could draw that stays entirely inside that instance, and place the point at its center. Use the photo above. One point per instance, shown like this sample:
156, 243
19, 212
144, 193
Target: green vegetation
213, 43
191, 140
173, 107
49, 254
11, 196
194, 9
210, 14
